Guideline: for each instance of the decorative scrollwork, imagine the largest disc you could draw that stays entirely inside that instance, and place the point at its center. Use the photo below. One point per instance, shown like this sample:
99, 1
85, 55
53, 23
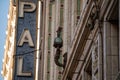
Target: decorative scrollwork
58, 43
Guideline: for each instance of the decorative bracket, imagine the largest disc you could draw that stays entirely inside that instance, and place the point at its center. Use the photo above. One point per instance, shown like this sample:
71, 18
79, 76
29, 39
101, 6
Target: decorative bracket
58, 43
57, 57
94, 15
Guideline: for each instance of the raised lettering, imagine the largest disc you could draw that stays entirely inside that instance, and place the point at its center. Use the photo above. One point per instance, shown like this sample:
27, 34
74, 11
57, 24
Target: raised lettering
30, 7
20, 68
26, 38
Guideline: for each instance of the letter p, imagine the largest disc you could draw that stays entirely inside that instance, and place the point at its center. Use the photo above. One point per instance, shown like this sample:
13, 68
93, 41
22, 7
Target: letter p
30, 7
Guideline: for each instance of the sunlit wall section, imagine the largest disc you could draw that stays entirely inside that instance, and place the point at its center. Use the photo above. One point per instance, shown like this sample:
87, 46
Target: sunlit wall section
7, 67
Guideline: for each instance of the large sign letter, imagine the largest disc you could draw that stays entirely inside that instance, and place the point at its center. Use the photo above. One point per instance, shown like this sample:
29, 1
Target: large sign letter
26, 37
19, 67
30, 7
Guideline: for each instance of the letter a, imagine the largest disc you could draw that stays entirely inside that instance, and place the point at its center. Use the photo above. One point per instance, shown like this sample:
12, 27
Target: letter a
26, 38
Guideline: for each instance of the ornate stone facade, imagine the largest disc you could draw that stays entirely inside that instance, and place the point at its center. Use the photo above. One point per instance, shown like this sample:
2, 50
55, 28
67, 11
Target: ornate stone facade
91, 38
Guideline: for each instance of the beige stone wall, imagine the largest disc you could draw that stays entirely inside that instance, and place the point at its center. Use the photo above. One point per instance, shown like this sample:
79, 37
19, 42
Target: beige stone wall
103, 48
111, 59
8, 60
92, 54
46, 42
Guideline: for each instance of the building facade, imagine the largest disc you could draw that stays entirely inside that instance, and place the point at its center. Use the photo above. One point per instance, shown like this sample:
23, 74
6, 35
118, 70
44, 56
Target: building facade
89, 35
21, 56
8, 61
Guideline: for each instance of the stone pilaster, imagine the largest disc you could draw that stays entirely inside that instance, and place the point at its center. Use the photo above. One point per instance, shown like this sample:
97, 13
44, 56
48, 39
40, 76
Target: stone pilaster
100, 55
110, 51
52, 50
46, 41
65, 24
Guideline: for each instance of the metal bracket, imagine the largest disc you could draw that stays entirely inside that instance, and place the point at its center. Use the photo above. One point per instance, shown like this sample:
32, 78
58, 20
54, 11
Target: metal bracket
58, 43
57, 57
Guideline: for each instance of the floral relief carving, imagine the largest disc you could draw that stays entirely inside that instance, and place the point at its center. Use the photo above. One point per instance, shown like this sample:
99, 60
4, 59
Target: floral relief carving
95, 61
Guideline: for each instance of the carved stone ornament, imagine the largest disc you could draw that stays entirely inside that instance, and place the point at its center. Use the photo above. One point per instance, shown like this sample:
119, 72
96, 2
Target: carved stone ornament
95, 61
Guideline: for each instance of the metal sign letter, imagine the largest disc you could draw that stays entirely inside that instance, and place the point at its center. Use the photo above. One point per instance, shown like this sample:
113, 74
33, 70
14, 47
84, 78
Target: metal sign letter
22, 8
19, 67
26, 37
